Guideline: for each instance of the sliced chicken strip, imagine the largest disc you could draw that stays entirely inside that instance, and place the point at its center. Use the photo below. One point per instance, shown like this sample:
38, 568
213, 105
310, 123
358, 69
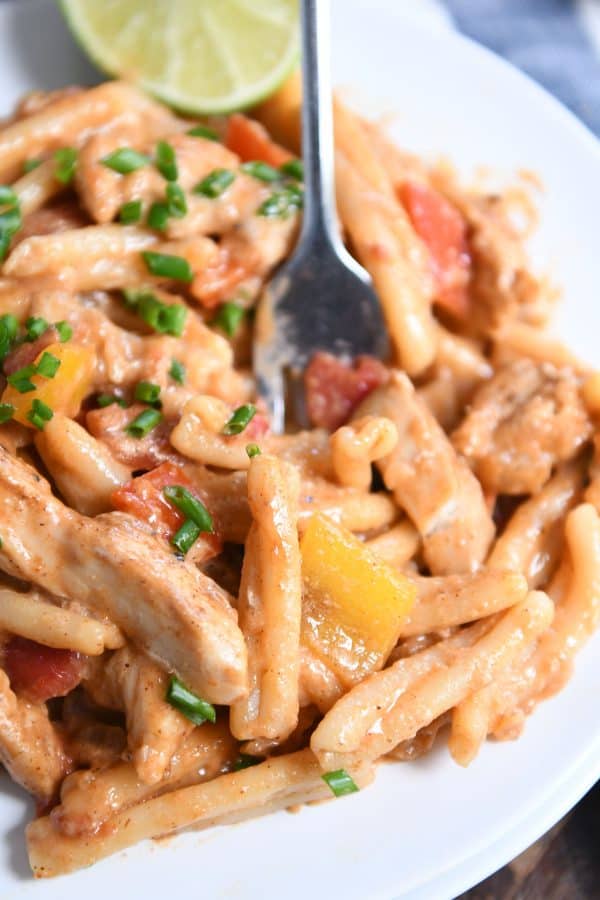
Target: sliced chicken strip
164, 605
521, 422
430, 482
155, 729
30, 748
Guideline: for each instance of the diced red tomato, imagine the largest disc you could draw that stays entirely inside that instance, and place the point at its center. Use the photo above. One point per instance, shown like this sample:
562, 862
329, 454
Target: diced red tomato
250, 140
26, 353
109, 424
143, 498
40, 673
334, 388
257, 428
444, 231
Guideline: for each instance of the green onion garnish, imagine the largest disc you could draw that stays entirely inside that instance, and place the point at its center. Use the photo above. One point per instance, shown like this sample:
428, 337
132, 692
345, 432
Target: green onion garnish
30, 164
20, 379
215, 183
282, 203
260, 170
192, 508
177, 371
130, 212
204, 132
65, 164
229, 316
185, 538
176, 202
162, 317
144, 423
146, 392
6, 412
104, 400
124, 160
158, 216
340, 782
166, 162
193, 707
294, 169
65, 332
39, 414
48, 365
164, 265
252, 450
9, 326
241, 417
35, 328
245, 761
7, 196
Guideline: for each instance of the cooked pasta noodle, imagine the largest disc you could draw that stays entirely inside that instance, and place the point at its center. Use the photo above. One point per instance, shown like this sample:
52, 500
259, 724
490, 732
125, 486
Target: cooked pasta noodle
428, 554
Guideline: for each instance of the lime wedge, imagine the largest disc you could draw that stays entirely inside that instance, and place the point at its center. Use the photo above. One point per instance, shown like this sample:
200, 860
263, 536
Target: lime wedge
200, 56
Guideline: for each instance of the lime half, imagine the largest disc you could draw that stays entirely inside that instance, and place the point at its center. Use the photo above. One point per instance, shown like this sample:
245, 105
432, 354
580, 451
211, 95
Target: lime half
201, 56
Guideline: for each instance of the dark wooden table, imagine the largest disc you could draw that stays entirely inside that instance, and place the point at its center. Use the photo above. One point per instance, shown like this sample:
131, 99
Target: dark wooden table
562, 865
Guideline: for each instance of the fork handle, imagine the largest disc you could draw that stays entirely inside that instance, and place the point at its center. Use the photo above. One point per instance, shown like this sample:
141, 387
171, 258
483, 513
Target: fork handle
319, 219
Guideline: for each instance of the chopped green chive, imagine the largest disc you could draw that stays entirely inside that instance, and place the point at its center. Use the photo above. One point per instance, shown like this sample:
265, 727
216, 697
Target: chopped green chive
146, 392
166, 162
158, 216
35, 328
104, 400
9, 326
39, 414
65, 164
130, 212
241, 417
193, 707
7, 196
162, 317
215, 183
48, 365
164, 265
260, 170
185, 538
229, 316
30, 164
294, 169
245, 761
282, 203
177, 371
144, 423
176, 202
6, 412
203, 131
124, 160
20, 379
340, 782
252, 450
65, 332
192, 508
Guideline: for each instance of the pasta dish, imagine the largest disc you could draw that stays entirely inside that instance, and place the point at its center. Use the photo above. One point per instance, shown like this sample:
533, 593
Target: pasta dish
201, 620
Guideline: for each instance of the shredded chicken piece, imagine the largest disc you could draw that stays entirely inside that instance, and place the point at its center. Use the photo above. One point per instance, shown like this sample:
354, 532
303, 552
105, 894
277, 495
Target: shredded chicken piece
174, 612
521, 423
132, 682
431, 482
30, 747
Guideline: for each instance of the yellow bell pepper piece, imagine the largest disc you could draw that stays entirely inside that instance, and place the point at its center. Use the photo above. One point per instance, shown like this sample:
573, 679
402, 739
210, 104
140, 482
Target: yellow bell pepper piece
63, 392
353, 603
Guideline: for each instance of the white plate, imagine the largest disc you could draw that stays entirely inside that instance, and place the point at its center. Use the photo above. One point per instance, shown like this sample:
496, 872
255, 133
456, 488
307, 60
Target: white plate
426, 830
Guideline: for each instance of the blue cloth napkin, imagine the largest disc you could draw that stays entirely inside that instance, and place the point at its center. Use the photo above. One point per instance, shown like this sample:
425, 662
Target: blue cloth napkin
545, 38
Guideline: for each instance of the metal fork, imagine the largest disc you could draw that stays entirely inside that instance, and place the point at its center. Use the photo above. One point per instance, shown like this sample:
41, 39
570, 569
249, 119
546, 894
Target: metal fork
321, 299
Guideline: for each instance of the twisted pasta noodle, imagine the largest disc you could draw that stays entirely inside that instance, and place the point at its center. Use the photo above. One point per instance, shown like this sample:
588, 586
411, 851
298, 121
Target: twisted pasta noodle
430, 696
199, 435
354, 447
33, 616
277, 783
270, 604
397, 545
